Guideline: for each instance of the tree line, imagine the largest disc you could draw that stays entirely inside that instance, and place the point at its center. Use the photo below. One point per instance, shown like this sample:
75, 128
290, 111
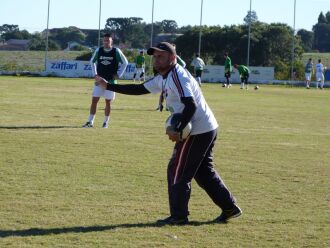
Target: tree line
135, 33
270, 44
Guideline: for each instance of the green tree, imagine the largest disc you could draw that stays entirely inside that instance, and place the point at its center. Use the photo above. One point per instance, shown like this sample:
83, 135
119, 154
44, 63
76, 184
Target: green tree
16, 34
270, 45
322, 33
122, 28
169, 26
138, 37
38, 43
327, 16
8, 28
322, 37
187, 44
307, 38
322, 19
251, 17
92, 37
64, 35
157, 29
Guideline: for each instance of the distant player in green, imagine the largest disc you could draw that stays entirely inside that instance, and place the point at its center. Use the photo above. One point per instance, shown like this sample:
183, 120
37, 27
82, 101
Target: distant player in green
139, 66
244, 73
228, 70
308, 72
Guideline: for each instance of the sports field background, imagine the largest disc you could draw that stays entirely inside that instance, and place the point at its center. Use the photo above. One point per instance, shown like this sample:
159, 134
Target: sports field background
34, 61
65, 186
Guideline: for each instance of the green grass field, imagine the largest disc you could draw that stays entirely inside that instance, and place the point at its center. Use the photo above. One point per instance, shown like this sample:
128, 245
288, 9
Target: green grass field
65, 186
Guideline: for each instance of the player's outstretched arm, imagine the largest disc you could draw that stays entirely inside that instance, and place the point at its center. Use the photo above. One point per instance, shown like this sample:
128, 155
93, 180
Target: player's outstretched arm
127, 89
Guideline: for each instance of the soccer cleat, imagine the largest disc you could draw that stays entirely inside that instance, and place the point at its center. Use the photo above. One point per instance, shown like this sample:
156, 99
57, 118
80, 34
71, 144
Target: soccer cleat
105, 125
172, 220
88, 124
229, 214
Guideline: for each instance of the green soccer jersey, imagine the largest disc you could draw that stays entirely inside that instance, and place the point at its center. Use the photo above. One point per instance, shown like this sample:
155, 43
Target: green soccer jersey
140, 61
228, 66
100, 63
243, 70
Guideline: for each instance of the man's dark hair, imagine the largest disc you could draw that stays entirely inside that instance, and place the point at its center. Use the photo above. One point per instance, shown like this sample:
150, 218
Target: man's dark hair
107, 35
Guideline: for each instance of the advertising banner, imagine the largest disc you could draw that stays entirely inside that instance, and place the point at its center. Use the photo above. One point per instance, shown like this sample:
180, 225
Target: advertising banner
75, 68
211, 73
215, 73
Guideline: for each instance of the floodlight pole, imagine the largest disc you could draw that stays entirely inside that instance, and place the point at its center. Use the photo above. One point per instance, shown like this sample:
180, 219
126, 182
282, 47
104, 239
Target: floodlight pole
99, 36
152, 32
249, 36
152, 23
293, 37
47, 31
200, 29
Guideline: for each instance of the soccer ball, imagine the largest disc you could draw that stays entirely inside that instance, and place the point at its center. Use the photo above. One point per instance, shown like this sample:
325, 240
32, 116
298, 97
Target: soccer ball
173, 120
256, 87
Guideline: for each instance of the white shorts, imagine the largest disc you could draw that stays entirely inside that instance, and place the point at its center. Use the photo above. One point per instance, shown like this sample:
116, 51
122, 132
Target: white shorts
139, 70
308, 76
107, 94
319, 76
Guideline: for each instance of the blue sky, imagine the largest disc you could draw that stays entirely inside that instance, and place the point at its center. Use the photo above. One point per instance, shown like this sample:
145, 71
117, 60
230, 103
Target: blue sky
32, 15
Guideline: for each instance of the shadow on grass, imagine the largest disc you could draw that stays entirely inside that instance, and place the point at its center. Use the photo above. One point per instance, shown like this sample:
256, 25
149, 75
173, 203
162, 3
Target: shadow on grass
37, 127
84, 229
137, 109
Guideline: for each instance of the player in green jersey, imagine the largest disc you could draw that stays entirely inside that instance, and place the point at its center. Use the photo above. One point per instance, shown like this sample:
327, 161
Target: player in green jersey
139, 66
244, 73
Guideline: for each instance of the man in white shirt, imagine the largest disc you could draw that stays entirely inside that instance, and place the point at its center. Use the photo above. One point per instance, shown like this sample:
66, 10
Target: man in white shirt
198, 65
192, 157
319, 68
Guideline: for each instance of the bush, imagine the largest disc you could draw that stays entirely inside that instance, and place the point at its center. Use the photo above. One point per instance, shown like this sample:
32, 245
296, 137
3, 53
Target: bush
282, 70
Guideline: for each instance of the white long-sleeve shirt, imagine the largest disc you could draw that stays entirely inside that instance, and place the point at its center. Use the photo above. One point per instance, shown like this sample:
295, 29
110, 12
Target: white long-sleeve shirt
180, 83
319, 68
198, 63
